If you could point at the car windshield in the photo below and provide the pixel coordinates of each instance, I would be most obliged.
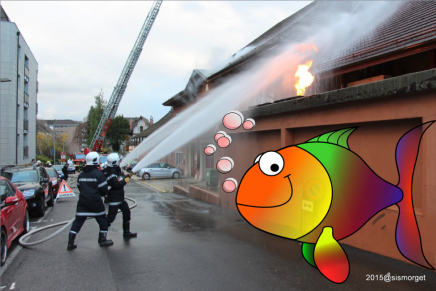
(103, 159)
(52, 173)
(80, 157)
(58, 167)
(23, 176)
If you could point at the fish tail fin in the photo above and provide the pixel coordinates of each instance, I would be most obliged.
(408, 237)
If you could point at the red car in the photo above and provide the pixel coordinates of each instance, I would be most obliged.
(55, 180)
(14, 215)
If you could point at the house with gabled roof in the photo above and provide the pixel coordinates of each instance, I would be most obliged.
(384, 83)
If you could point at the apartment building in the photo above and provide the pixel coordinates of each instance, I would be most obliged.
(19, 89)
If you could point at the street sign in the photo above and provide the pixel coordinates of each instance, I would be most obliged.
(307, 205)
(65, 191)
(52, 152)
(62, 156)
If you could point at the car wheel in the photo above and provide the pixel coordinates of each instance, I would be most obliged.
(176, 175)
(4, 247)
(50, 202)
(40, 210)
(26, 224)
(146, 176)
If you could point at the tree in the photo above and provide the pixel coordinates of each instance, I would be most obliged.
(44, 142)
(94, 116)
(117, 132)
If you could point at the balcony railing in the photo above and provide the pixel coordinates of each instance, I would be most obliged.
(26, 100)
(26, 124)
(26, 71)
(25, 151)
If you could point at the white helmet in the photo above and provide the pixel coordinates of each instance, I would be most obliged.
(93, 159)
(113, 160)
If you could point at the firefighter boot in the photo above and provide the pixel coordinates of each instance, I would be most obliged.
(126, 228)
(103, 241)
(71, 245)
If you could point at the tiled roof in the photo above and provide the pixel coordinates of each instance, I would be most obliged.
(155, 125)
(190, 92)
(295, 28)
(40, 127)
(413, 23)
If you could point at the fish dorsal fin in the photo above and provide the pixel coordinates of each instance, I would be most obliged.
(338, 137)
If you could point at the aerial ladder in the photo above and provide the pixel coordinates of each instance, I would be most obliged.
(120, 88)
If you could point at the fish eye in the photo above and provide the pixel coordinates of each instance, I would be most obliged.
(257, 158)
(271, 163)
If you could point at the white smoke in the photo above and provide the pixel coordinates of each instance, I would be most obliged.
(233, 92)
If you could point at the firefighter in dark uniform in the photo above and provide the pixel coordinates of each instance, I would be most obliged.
(65, 171)
(92, 186)
(116, 181)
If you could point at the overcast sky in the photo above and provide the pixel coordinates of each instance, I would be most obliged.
(82, 46)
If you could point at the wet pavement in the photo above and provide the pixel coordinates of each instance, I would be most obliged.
(185, 244)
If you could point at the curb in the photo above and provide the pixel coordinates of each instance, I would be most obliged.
(163, 191)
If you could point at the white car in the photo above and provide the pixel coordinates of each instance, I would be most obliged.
(160, 170)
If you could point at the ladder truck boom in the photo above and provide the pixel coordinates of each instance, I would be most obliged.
(120, 88)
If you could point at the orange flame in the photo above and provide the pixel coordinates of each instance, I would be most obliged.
(305, 47)
(304, 78)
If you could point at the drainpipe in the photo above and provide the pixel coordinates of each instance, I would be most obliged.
(18, 107)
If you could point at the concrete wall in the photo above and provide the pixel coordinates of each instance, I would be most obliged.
(69, 130)
(10, 112)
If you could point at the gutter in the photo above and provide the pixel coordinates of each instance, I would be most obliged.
(17, 104)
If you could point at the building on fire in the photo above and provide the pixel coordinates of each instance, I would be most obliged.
(383, 82)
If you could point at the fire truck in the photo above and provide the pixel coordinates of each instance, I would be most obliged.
(78, 160)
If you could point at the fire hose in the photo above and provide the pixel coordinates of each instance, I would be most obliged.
(67, 224)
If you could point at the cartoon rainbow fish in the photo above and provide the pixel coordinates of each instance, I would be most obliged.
(274, 197)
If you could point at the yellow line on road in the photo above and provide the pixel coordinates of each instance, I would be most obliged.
(155, 187)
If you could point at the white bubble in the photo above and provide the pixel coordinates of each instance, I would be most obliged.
(225, 165)
(249, 124)
(233, 119)
(230, 185)
(210, 149)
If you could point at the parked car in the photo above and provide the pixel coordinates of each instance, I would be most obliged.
(160, 170)
(58, 169)
(56, 180)
(14, 215)
(35, 185)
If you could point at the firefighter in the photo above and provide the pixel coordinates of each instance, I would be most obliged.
(92, 185)
(65, 171)
(116, 181)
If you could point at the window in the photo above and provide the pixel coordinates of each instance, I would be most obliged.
(56, 127)
(141, 128)
(26, 61)
(155, 166)
(179, 158)
(5, 190)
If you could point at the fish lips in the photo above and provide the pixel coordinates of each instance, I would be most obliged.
(273, 206)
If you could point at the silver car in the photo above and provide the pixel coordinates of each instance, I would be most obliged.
(160, 170)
